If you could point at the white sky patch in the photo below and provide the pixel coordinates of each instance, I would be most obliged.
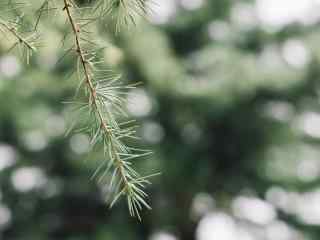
(308, 208)
(152, 132)
(295, 53)
(275, 14)
(139, 103)
(218, 226)
(161, 13)
(80, 143)
(293, 162)
(280, 198)
(254, 210)
(309, 123)
(308, 167)
(279, 110)
(7, 156)
(305, 206)
(162, 235)
(244, 16)
(202, 203)
(9, 66)
(281, 230)
(5, 216)
(35, 140)
(221, 226)
(28, 178)
(55, 125)
(270, 59)
(219, 30)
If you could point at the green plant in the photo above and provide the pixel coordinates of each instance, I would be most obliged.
(99, 99)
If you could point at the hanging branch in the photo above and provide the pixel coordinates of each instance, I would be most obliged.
(104, 101)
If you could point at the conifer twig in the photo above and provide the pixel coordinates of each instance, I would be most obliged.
(101, 94)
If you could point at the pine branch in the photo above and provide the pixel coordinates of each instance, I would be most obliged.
(103, 95)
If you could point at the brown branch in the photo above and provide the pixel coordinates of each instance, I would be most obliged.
(93, 94)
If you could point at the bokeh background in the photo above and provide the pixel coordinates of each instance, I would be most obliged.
(229, 105)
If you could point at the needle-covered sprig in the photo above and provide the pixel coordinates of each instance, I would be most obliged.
(105, 97)
(26, 42)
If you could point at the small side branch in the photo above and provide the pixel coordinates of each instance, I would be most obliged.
(90, 86)
(10, 28)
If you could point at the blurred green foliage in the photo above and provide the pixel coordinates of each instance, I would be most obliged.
(229, 107)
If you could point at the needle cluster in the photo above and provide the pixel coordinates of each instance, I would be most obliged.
(26, 41)
(124, 11)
